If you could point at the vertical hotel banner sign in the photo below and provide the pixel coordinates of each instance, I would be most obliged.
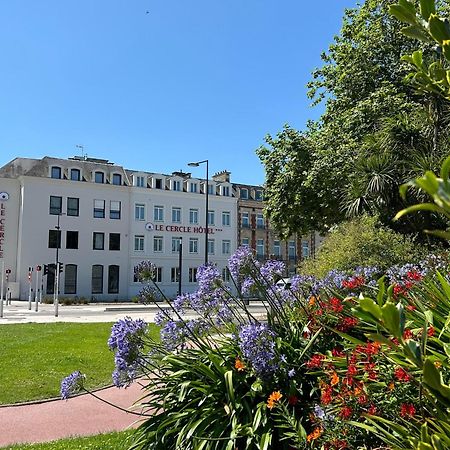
(4, 196)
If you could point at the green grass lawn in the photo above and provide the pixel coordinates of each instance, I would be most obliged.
(110, 441)
(35, 357)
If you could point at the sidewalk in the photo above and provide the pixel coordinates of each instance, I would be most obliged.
(79, 416)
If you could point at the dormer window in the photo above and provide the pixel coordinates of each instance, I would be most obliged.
(139, 181)
(99, 177)
(193, 187)
(56, 172)
(211, 188)
(244, 194)
(258, 194)
(158, 183)
(225, 191)
(117, 179)
(75, 174)
(176, 185)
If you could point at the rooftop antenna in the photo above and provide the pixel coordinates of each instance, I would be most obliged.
(82, 150)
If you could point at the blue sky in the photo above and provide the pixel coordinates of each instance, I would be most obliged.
(188, 80)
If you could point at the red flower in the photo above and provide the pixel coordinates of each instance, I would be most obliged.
(326, 398)
(336, 352)
(353, 282)
(414, 275)
(411, 307)
(352, 370)
(363, 399)
(315, 362)
(346, 412)
(402, 375)
(347, 323)
(372, 410)
(408, 334)
(334, 304)
(407, 410)
(430, 331)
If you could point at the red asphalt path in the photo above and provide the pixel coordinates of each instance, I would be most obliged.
(79, 416)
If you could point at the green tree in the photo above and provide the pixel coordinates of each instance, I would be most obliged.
(342, 165)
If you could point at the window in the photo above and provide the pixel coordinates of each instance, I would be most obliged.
(56, 172)
(55, 205)
(258, 194)
(226, 247)
(291, 249)
(139, 243)
(157, 277)
(114, 209)
(73, 206)
(139, 211)
(193, 216)
(244, 194)
(113, 279)
(259, 221)
(176, 185)
(98, 241)
(226, 274)
(51, 279)
(245, 242)
(192, 274)
(158, 213)
(226, 191)
(245, 220)
(117, 179)
(193, 187)
(114, 241)
(176, 215)
(99, 209)
(211, 246)
(305, 249)
(99, 177)
(97, 279)
(75, 174)
(260, 247)
(174, 274)
(211, 218)
(193, 245)
(158, 244)
(54, 238)
(176, 242)
(226, 218)
(72, 239)
(70, 279)
(276, 248)
(158, 183)
(139, 181)
(211, 189)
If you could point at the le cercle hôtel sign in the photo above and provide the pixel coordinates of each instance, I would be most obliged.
(4, 196)
(149, 226)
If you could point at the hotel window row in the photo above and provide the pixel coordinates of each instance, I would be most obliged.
(75, 175)
(192, 245)
(73, 207)
(71, 279)
(98, 240)
(177, 215)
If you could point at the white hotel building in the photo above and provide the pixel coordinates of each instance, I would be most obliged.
(110, 219)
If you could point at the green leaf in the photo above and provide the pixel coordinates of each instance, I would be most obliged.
(368, 305)
(403, 13)
(391, 319)
(265, 441)
(229, 384)
(381, 291)
(415, 32)
(427, 7)
(439, 29)
(419, 207)
(445, 170)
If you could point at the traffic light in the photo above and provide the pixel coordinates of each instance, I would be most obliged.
(45, 269)
(38, 268)
(60, 267)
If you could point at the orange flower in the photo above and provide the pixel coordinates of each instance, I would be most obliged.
(437, 364)
(314, 435)
(273, 399)
(391, 386)
(239, 365)
(312, 301)
(334, 379)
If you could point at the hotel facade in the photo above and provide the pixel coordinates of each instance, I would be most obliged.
(100, 220)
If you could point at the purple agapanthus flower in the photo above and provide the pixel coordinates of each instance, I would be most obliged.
(272, 269)
(257, 344)
(242, 260)
(208, 278)
(127, 341)
(72, 384)
(144, 271)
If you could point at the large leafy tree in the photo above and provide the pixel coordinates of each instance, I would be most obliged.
(370, 139)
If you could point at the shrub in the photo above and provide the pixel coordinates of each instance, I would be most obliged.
(362, 242)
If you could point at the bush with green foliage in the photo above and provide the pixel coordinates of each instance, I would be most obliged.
(362, 242)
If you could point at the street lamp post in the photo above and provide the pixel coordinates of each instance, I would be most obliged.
(56, 281)
(196, 164)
